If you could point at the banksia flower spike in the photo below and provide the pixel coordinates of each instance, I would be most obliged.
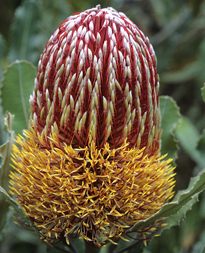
(90, 164)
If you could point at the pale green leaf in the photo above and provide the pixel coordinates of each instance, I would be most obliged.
(175, 219)
(17, 208)
(18, 83)
(2, 54)
(188, 136)
(175, 211)
(5, 151)
(199, 246)
(201, 145)
(3, 133)
(179, 204)
(203, 92)
(25, 37)
(170, 118)
(6, 199)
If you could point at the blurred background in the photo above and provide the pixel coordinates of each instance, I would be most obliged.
(176, 30)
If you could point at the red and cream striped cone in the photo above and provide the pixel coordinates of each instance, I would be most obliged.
(90, 161)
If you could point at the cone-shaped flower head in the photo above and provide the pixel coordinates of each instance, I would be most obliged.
(90, 163)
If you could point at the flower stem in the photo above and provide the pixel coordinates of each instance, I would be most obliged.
(89, 248)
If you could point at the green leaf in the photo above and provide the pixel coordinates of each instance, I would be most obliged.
(25, 37)
(17, 86)
(188, 137)
(170, 118)
(11, 201)
(201, 145)
(199, 246)
(175, 219)
(3, 133)
(2, 54)
(203, 92)
(16, 206)
(5, 151)
(179, 205)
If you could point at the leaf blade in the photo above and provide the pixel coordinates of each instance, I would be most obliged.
(5, 153)
(188, 136)
(15, 98)
(203, 92)
(168, 123)
(196, 185)
(25, 37)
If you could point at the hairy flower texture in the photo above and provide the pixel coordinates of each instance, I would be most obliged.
(90, 163)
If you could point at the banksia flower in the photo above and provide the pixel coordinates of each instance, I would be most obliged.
(90, 163)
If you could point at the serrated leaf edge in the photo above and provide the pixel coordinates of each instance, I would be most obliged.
(160, 214)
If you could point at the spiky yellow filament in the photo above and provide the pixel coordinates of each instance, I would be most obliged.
(97, 193)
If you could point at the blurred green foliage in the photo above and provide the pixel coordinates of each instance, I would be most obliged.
(177, 31)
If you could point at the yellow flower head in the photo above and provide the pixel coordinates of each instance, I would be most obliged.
(90, 163)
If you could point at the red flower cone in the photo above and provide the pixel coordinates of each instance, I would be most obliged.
(90, 162)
